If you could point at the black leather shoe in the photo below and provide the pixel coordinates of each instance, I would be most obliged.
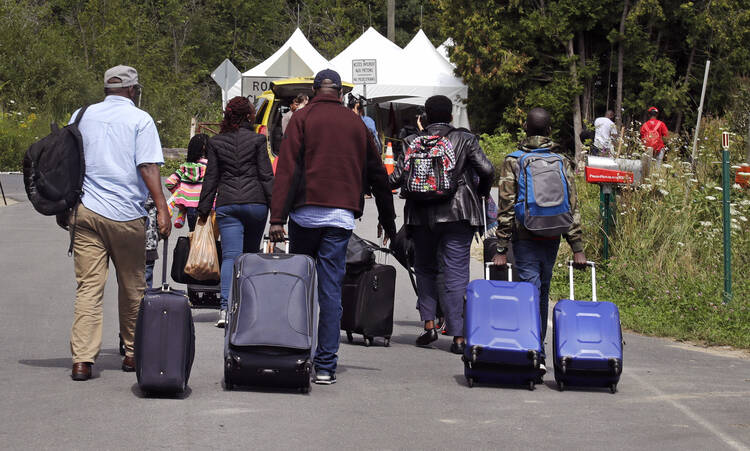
(427, 337)
(458, 348)
(81, 371)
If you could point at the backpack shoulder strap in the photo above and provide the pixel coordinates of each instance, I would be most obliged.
(517, 154)
(80, 115)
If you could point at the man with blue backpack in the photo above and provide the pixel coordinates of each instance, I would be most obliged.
(537, 205)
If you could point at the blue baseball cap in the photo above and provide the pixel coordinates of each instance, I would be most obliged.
(329, 74)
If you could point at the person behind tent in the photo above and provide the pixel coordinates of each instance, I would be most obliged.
(186, 182)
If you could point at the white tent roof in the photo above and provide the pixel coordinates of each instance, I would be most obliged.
(409, 75)
(296, 58)
(443, 48)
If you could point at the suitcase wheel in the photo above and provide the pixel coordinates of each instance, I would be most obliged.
(470, 381)
(613, 388)
(560, 385)
(532, 385)
(349, 337)
(228, 385)
(305, 390)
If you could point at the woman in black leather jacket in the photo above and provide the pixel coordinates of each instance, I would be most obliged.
(442, 231)
(239, 169)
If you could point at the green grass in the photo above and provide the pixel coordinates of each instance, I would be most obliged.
(666, 270)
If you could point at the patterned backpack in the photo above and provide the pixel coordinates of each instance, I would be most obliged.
(429, 163)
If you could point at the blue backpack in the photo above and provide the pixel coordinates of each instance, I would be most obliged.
(542, 201)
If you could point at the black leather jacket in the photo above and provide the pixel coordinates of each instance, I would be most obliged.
(238, 168)
(466, 203)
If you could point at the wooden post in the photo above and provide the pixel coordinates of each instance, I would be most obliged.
(193, 124)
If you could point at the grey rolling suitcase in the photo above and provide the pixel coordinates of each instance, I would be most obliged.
(164, 339)
(271, 330)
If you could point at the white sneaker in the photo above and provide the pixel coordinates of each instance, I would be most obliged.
(325, 378)
(543, 369)
(222, 321)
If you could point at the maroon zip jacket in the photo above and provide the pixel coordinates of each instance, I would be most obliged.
(340, 158)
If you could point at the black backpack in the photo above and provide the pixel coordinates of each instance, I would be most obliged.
(53, 169)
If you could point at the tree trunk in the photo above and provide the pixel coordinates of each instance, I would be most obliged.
(392, 20)
(678, 123)
(620, 64)
(576, 104)
(586, 104)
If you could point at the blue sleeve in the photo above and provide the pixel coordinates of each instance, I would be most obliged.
(147, 143)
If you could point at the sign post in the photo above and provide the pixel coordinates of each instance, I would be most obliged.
(365, 72)
(727, 218)
(226, 75)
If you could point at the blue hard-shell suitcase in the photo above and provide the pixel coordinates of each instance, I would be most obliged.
(503, 333)
(588, 342)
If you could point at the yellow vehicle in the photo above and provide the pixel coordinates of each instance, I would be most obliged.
(270, 105)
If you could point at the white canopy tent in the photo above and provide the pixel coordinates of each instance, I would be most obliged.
(443, 48)
(296, 58)
(404, 76)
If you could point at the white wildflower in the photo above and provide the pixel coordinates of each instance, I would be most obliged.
(681, 244)
(706, 223)
(736, 226)
(663, 192)
(12, 101)
(743, 218)
(745, 202)
(710, 198)
(718, 188)
(159, 121)
(694, 180)
(667, 165)
(646, 186)
(737, 186)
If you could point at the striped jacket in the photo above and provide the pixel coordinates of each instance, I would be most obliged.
(186, 183)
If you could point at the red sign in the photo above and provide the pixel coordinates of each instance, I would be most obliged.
(598, 175)
(725, 140)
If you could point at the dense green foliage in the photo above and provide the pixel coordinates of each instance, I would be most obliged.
(517, 54)
(54, 53)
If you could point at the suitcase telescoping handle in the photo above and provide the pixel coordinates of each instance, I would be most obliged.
(164, 284)
(593, 279)
(487, 266)
(267, 239)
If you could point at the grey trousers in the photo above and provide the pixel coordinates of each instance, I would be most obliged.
(444, 249)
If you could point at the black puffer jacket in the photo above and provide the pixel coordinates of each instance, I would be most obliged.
(465, 204)
(238, 168)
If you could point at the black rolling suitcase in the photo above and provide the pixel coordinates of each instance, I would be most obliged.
(271, 330)
(164, 339)
(367, 298)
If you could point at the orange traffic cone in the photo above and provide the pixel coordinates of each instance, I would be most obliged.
(388, 161)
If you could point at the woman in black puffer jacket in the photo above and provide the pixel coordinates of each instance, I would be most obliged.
(240, 170)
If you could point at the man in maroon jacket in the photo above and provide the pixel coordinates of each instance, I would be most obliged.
(326, 160)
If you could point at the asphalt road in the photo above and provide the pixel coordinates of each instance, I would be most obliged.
(671, 396)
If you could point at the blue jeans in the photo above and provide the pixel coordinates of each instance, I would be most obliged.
(327, 245)
(442, 250)
(241, 229)
(535, 260)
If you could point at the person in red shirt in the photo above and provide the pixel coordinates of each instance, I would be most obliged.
(653, 133)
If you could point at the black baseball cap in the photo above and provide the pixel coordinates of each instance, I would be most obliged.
(329, 74)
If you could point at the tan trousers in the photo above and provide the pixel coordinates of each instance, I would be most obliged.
(97, 240)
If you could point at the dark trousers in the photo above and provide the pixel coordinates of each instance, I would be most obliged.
(327, 245)
(442, 248)
(535, 260)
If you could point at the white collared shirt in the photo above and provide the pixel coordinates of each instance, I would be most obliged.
(117, 137)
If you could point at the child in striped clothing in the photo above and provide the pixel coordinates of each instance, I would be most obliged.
(185, 183)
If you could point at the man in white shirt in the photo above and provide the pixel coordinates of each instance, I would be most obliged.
(605, 131)
(123, 153)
